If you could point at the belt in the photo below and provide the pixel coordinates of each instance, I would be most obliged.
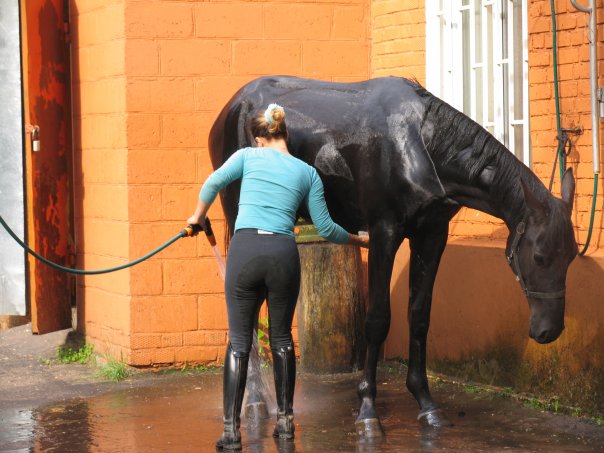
(254, 231)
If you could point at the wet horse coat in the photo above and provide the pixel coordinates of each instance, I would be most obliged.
(398, 162)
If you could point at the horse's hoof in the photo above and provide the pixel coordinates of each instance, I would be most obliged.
(256, 411)
(433, 418)
(369, 428)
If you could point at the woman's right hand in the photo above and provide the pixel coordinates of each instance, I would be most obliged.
(360, 240)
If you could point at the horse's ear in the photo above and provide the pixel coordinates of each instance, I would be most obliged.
(568, 189)
(537, 210)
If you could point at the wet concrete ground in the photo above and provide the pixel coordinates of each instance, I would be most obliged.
(179, 413)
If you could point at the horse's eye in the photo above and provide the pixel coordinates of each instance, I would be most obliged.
(539, 259)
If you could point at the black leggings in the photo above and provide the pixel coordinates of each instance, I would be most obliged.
(261, 266)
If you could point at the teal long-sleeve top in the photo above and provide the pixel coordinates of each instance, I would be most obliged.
(273, 185)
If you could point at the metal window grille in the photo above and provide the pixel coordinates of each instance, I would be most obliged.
(477, 60)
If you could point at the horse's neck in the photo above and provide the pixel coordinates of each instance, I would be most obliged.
(498, 190)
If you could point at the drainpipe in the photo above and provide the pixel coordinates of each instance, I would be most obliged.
(593, 77)
(597, 105)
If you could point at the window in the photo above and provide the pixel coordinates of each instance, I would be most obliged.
(477, 60)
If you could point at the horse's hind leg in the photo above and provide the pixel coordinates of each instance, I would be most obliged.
(385, 240)
(426, 251)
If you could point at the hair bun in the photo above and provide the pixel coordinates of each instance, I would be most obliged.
(274, 112)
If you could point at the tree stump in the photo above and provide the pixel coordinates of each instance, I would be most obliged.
(331, 308)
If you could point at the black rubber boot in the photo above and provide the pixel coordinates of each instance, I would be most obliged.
(284, 369)
(235, 373)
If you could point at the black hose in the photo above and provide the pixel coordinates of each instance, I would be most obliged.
(184, 233)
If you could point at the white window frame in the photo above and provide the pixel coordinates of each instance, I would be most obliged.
(445, 70)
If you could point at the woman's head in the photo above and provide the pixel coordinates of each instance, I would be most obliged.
(270, 123)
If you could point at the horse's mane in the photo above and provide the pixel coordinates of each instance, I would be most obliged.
(459, 141)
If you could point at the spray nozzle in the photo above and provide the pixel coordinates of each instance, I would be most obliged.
(191, 229)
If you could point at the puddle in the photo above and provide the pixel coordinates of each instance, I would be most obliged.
(184, 414)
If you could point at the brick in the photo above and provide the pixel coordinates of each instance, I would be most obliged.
(388, 6)
(166, 94)
(186, 130)
(102, 166)
(212, 311)
(335, 58)
(196, 354)
(163, 355)
(114, 283)
(161, 167)
(107, 201)
(194, 338)
(144, 203)
(250, 57)
(171, 339)
(307, 21)
(164, 314)
(539, 59)
(178, 201)
(213, 92)
(142, 57)
(106, 59)
(192, 277)
(350, 23)
(99, 26)
(228, 20)
(568, 55)
(205, 338)
(146, 236)
(145, 341)
(194, 57)
(105, 237)
(141, 358)
(144, 130)
(146, 277)
(105, 96)
(158, 20)
(112, 311)
(103, 131)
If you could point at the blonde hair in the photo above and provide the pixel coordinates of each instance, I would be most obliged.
(270, 123)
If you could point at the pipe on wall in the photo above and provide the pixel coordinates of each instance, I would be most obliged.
(593, 79)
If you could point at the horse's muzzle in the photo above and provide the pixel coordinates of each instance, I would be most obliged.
(545, 336)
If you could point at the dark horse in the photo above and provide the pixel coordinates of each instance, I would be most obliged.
(399, 163)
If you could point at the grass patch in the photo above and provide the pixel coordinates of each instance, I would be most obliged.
(114, 370)
(82, 355)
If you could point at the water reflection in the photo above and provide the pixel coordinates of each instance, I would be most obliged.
(185, 415)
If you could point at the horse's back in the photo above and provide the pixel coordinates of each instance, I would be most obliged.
(363, 137)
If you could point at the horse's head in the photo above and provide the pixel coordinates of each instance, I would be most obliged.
(540, 252)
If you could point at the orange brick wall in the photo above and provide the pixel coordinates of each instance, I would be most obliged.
(152, 76)
(100, 171)
(573, 76)
(398, 39)
(398, 49)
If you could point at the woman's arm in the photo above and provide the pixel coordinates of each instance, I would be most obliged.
(326, 227)
(230, 171)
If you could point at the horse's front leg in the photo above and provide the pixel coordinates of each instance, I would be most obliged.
(426, 251)
(385, 240)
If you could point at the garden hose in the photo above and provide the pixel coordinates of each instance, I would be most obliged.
(561, 137)
(188, 231)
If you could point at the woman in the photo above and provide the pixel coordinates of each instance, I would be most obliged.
(263, 260)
